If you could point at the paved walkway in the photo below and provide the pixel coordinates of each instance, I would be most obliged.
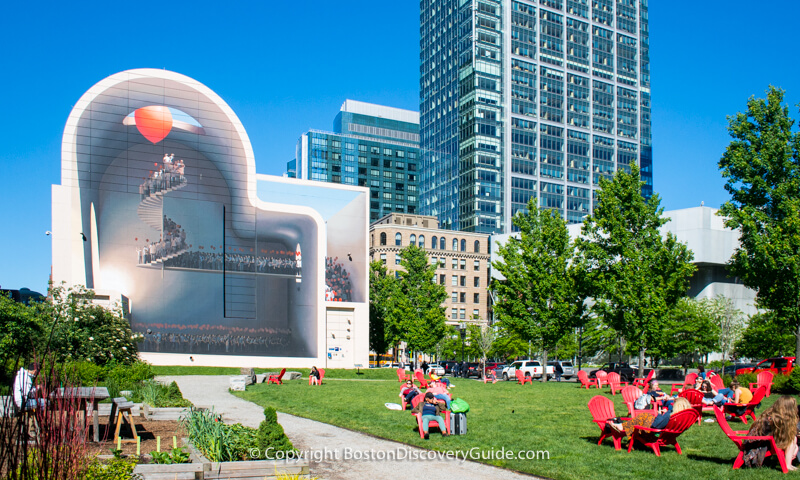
(384, 459)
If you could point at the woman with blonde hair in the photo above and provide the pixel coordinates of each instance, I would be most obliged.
(780, 422)
(648, 420)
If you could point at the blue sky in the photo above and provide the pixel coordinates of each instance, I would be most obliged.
(287, 67)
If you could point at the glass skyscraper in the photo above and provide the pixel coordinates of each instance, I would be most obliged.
(371, 146)
(523, 99)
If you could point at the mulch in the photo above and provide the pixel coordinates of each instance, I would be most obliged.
(148, 431)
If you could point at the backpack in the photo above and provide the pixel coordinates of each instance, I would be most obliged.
(643, 402)
(459, 406)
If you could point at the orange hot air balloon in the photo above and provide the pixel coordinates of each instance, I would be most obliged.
(153, 122)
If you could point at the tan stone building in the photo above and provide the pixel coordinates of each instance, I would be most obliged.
(462, 259)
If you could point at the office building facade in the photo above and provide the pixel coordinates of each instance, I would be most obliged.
(371, 146)
(522, 99)
(461, 259)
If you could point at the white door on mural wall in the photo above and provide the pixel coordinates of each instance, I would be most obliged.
(339, 350)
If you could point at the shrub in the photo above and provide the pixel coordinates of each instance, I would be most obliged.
(115, 469)
(156, 394)
(793, 383)
(780, 384)
(746, 379)
(271, 435)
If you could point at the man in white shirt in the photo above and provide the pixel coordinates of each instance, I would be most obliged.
(24, 389)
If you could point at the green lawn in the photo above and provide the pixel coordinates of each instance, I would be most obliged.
(552, 417)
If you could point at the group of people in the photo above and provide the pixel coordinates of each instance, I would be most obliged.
(283, 264)
(173, 240)
(435, 401)
(170, 174)
(337, 281)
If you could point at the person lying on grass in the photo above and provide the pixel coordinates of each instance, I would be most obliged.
(431, 409)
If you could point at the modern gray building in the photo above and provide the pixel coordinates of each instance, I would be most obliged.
(523, 99)
(371, 146)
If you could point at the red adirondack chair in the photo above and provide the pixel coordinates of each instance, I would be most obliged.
(629, 396)
(695, 397)
(433, 423)
(601, 377)
(615, 383)
(583, 377)
(402, 376)
(731, 408)
(276, 379)
(655, 438)
(521, 378)
(764, 379)
(737, 436)
(420, 378)
(321, 376)
(644, 382)
(688, 382)
(602, 408)
(716, 382)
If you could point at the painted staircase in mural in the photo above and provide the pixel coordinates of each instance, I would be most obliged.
(150, 211)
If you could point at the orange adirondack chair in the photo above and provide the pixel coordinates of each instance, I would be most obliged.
(402, 376)
(276, 379)
(420, 378)
(655, 438)
(764, 379)
(432, 423)
(738, 436)
(521, 379)
(644, 382)
(601, 377)
(731, 408)
(583, 377)
(602, 409)
(688, 382)
(629, 396)
(615, 383)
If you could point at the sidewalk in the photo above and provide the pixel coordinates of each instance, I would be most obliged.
(324, 439)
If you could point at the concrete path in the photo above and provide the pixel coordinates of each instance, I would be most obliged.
(336, 453)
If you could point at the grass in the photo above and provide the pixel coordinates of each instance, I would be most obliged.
(550, 417)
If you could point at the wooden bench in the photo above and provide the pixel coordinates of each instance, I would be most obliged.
(121, 411)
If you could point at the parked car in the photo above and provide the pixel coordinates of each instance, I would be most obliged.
(436, 369)
(733, 369)
(473, 370)
(776, 365)
(497, 368)
(529, 368)
(626, 372)
(567, 369)
(448, 366)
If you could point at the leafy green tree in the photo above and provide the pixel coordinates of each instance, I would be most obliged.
(637, 275)
(382, 287)
(449, 345)
(20, 331)
(690, 328)
(78, 329)
(729, 322)
(764, 337)
(507, 344)
(762, 171)
(418, 312)
(538, 299)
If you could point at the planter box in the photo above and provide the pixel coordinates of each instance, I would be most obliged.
(163, 413)
(258, 469)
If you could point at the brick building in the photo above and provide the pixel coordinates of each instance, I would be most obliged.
(462, 259)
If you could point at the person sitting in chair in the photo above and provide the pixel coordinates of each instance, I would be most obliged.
(25, 391)
(314, 376)
(408, 391)
(659, 395)
(431, 410)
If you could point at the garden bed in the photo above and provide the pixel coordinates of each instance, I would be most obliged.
(148, 432)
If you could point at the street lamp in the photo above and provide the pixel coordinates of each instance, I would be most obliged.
(463, 327)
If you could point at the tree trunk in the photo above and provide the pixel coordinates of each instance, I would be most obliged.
(544, 365)
(641, 362)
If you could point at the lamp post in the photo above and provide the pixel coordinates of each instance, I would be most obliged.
(463, 327)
